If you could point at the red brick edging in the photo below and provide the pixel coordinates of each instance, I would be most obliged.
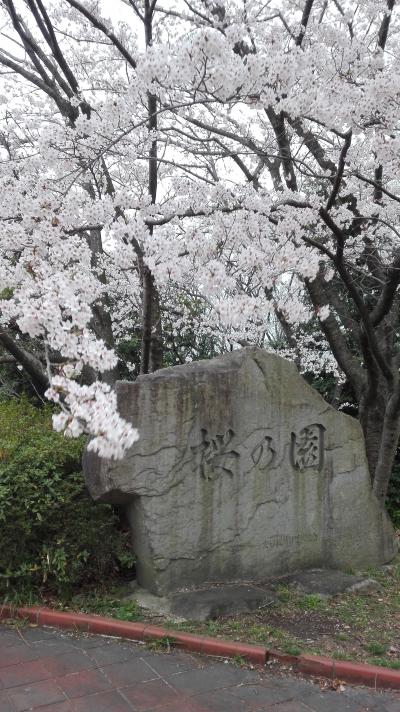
(371, 675)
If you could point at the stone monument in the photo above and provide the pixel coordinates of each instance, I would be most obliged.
(242, 472)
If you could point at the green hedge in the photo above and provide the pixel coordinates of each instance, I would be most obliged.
(53, 537)
(393, 498)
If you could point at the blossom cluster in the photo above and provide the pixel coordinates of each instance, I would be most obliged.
(258, 118)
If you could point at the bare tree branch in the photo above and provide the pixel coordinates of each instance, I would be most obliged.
(304, 21)
(278, 124)
(378, 186)
(384, 28)
(29, 363)
(387, 294)
(340, 171)
(330, 327)
(99, 25)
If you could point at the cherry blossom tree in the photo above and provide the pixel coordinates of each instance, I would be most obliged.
(241, 154)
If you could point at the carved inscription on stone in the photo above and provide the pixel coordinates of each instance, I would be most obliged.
(263, 453)
(217, 456)
(289, 541)
(307, 448)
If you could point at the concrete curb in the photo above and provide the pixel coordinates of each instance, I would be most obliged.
(359, 673)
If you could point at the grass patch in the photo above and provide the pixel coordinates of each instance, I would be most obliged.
(338, 655)
(161, 644)
(385, 662)
(342, 636)
(291, 649)
(107, 604)
(376, 648)
(239, 661)
(311, 602)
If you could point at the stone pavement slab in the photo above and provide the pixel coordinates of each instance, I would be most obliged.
(52, 671)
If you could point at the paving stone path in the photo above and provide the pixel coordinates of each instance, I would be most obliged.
(50, 671)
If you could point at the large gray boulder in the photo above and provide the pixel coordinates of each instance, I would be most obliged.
(242, 472)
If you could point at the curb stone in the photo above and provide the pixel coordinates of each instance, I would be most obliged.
(319, 666)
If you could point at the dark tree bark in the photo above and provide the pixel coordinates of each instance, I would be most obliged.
(29, 363)
(152, 337)
(387, 447)
(101, 319)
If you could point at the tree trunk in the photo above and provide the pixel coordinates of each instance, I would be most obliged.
(388, 445)
(380, 420)
(147, 302)
(152, 336)
(101, 320)
(371, 415)
(29, 363)
(157, 343)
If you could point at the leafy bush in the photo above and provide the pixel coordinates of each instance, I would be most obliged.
(393, 496)
(53, 537)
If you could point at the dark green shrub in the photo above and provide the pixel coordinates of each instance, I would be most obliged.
(53, 537)
(393, 496)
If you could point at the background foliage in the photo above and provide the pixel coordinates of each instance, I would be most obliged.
(393, 498)
(54, 538)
